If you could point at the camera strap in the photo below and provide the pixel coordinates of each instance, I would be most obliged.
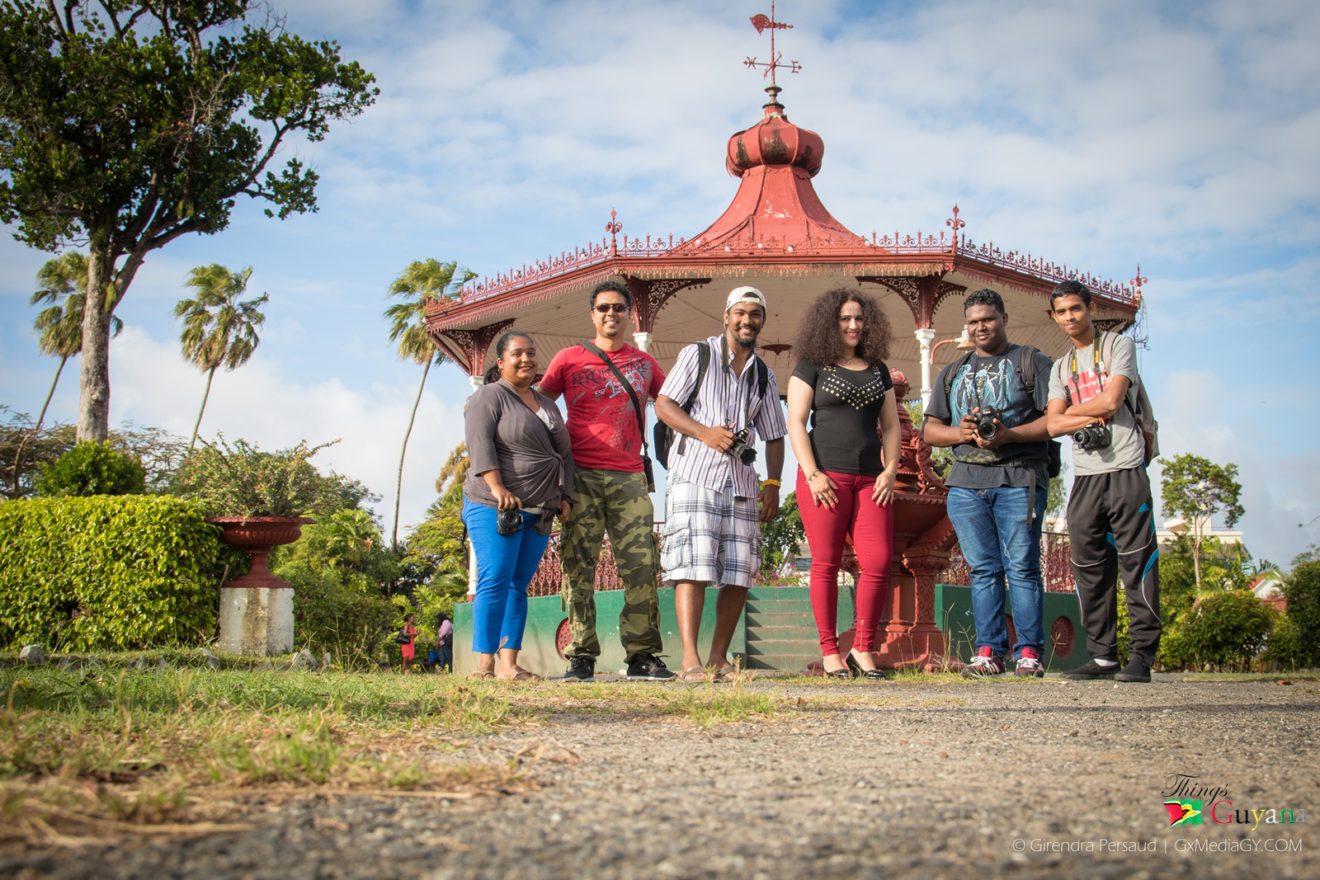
(726, 361)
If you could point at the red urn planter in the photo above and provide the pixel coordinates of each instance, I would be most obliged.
(258, 535)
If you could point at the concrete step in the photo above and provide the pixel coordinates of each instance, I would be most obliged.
(784, 648)
(763, 619)
(782, 662)
(785, 631)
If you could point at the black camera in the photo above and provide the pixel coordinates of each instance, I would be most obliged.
(740, 448)
(986, 428)
(508, 522)
(1093, 437)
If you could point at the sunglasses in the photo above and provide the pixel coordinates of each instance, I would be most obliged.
(616, 308)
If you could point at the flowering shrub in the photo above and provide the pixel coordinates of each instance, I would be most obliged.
(238, 479)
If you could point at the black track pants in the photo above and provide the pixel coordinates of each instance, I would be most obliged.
(1111, 527)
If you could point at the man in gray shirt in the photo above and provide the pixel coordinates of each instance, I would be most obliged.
(1111, 517)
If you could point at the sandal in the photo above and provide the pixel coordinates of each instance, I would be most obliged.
(481, 674)
(726, 673)
(693, 674)
(521, 675)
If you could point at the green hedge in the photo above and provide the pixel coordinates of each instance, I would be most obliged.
(107, 572)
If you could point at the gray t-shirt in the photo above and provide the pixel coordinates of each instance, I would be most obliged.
(1079, 376)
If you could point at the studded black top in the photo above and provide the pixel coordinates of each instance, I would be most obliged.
(845, 416)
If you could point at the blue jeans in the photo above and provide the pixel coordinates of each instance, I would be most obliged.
(1000, 545)
(505, 566)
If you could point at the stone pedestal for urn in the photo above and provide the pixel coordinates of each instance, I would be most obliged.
(256, 610)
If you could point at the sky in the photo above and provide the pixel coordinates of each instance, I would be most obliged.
(1179, 136)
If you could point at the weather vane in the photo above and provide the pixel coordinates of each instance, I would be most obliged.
(763, 22)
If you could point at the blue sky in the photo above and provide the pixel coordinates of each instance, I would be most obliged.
(1181, 136)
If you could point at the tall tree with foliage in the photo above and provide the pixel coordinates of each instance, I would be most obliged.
(127, 124)
(63, 283)
(219, 328)
(422, 280)
(1196, 489)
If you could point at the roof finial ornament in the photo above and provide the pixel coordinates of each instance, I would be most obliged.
(763, 22)
(1138, 282)
(614, 227)
(953, 223)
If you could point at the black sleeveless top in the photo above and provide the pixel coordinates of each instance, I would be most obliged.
(845, 416)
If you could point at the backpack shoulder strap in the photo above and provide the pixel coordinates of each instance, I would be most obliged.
(952, 371)
(703, 364)
(1024, 360)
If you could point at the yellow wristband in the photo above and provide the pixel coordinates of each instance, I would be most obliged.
(774, 483)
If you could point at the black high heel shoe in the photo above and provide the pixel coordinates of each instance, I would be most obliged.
(855, 669)
(845, 673)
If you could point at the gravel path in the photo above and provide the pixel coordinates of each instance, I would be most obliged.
(912, 778)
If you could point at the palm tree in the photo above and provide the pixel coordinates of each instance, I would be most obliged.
(63, 288)
(218, 329)
(420, 281)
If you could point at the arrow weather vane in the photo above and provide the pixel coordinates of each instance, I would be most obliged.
(763, 22)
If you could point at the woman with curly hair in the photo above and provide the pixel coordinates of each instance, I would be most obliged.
(845, 481)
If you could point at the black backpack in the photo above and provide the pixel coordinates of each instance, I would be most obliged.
(1023, 358)
(663, 435)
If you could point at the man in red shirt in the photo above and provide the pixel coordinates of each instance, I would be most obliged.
(605, 425)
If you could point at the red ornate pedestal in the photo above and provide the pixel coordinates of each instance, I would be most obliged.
(923, 538)
(258, 535)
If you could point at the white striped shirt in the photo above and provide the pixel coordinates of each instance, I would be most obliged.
(722, 400)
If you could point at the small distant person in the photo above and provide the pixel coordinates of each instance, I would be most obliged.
(1093, 393)
(982, 407)
(711, 533)
(520, 477)
(408, 647)
(444, 643)
(605, 384)
(846, 474)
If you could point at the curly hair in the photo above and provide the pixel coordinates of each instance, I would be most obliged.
(818, 339)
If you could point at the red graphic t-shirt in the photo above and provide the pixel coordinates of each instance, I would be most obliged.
(602, 424)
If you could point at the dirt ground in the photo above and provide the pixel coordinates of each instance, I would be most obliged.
(910, 778)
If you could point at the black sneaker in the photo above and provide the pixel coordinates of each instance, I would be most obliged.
(648, 667)
(581, 669)
(1092, 671)
(1136, 670)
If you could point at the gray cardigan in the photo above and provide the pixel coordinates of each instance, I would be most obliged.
(535, 464)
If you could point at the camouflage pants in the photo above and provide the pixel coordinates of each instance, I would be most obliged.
(616, 502)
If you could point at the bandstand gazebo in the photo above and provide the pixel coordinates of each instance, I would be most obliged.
(778, 236)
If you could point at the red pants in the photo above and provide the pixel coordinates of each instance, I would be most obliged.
(871, 527)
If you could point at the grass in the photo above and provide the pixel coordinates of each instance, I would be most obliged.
(87, 750)
(107, 748)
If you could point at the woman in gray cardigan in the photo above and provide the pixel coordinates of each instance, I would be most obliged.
(520, 478)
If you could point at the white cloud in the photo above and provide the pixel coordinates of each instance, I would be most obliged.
(1095, 134)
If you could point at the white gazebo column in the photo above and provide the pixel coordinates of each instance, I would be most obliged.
(643, 340)
(477, 382)
(925, 336)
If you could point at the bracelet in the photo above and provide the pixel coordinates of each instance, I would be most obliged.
(814, 475)
(770, 482)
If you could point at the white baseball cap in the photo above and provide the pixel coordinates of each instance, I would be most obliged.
(747, 295)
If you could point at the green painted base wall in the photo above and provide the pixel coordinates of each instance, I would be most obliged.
(953, 616)
(545, 614)
(778, 630)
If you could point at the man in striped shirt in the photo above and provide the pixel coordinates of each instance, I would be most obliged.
(711, 533)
